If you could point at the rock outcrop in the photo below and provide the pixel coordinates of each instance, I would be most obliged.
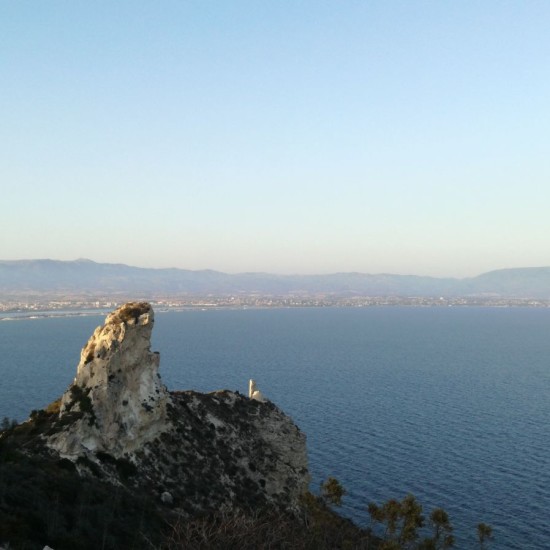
(196, 452)
(118, 386)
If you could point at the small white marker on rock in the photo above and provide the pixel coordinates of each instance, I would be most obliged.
(254, 393)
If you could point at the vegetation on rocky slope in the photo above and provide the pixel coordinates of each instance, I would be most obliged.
(44, 500)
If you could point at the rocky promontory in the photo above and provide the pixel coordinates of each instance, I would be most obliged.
(186, 453)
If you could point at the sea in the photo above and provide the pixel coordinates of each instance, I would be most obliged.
(450, 404)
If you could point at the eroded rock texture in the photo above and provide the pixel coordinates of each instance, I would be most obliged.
(117, 386)
(197, 452)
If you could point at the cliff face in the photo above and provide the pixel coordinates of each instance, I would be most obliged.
(117, 386)
(196, 452)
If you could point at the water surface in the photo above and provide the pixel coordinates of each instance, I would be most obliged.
(450, 404)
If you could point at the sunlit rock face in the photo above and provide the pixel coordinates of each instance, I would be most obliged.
(197, 452)
(117, 387)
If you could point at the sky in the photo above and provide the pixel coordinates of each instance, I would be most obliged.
(408, 137)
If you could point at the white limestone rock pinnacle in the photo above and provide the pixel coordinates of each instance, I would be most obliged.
(117, 387)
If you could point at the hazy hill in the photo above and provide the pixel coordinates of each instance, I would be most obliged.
(88, 277)
(521, 282)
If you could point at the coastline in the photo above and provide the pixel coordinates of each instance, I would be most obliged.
(16, 314)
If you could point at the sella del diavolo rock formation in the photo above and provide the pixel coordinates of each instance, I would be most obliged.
(193, 453)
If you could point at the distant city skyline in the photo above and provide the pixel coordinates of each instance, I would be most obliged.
(289, 138)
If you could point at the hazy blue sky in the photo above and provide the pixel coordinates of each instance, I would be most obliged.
(283, 136)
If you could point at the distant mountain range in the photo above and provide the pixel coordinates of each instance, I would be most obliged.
(85, 277)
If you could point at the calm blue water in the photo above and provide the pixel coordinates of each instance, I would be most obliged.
(451, 404)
